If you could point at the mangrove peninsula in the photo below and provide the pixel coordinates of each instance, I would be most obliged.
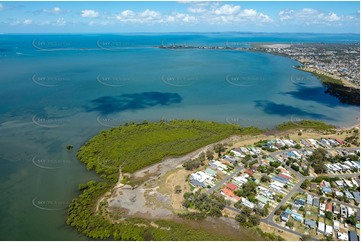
(201, 180)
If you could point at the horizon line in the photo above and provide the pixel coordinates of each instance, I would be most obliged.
(182, 32)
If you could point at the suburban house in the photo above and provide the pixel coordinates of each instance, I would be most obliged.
(356, 196)
(201, 179)
(321, 227)
(343, 211)
(336, 225)
(352, 236)
(309, 199)
(316, 202)
(336, 209)
(285, 216)
(232, 187)
(297, 217)
(299, 202)
(329, 206)
(247, 203)
(239, 180)
(328, 230)
(342, 236)
(310, 223)
(211, 172)
(339, 183)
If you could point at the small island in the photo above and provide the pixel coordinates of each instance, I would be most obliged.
(149, 187)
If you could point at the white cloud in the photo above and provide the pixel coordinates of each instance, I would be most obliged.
(127, 13)
(147, 16)
(1, 7)
(180, 18)
(27, 21)
(332, 17)
(309, 16)
(55, 10)
(60, 22)
(196, 9)
(227, 10)
(88, 13)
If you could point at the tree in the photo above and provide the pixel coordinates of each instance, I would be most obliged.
(246, 211)
(278, 211)
(241, 218)
(265, 178)
(219, 148)
(351, 220)
(209, 155)
(329, 215)
(289, 224)
(305, 184)
(202, 157)
(254, 220)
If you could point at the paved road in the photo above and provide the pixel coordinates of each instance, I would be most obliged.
(269, 218)
(269, 223)
(227, 178)
(332, 200)
(296, 188)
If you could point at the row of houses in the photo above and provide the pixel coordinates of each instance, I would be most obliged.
(342, 167)
(329, 206)
(279, 143)
(350, 236)
(243, 151)
(326, 143)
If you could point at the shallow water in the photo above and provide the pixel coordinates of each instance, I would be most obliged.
(81, 84)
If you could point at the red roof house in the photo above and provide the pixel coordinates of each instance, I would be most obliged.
(232, 187)
(329, 206)
(227, 192)
(284, 176)
(249, 172)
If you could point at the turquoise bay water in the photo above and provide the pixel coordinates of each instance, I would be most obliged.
(60, 90)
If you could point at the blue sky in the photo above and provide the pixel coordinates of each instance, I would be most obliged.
(102, 17)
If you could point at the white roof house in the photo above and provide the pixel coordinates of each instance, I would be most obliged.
(350, 211)
(247, 203)
(321, 227)
(322, 206)
(342, 236)
(336, 225)
(328, 230)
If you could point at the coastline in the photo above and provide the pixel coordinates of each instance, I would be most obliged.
(336, 79)
(149, 199)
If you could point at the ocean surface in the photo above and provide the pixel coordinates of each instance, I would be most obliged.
(59, 90)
